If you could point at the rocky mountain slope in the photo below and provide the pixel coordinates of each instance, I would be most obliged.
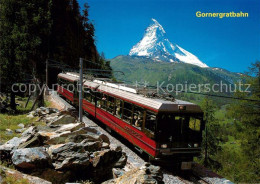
(157, 46)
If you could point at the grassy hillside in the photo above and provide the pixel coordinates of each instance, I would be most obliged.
(12, 120)
(142, 69)
(145, 69)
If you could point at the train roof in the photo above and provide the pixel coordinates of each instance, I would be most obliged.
(131, 95)
(69, 77)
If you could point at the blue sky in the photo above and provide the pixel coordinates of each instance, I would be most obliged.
(230, 43)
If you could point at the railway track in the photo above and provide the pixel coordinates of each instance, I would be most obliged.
(195, 179)
(134, 159)
(184, 177)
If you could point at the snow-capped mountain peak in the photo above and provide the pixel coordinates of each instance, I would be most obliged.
(156, 25)
(156, 45)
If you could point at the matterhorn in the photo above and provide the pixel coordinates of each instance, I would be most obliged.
(156, 45)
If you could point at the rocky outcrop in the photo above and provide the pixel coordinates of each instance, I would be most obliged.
(143, 175)
(63, 150)
(63, 119)
(12, 144)
(29, 131)
(27, 139)
(29, 158)
(42, 112)
(69, 156)
(35, 141)
(9, 146)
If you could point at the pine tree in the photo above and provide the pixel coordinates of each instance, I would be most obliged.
(9, 67)
(36, 30)
(24, 30)
(246, 114)
(211, 140)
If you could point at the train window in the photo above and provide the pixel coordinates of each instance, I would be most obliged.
(63, 83)
(169, 126)
(87, 95)
(194, 124)
(98, 98)
(104, 101)
(68, 84)
(119, 107)
(101, 100)
(128, 112)
(70, 87)
(92, 94)
(110, 104)
(150, 122)
(179, 128)
(138, 117)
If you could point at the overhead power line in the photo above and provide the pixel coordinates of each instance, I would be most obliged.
(220, 96)
(204, 94)
(96, 72)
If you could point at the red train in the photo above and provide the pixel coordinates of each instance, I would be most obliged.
(166, 130)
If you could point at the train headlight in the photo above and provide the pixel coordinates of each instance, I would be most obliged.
(164, 146)
(196, 145)
(182, 107)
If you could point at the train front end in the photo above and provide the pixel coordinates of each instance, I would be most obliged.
(179, 134)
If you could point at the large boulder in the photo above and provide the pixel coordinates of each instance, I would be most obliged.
(16, 142)
(77, 136)
(70, 127)
(63, 119)
(29, 158)
(12, 144)
(58, 135)
(29, 138)
(57, 138)
(69, 111)
(106, 158)
(103, 162)
(69, 156)
(91, 146)
(36, 141)
(42, 128)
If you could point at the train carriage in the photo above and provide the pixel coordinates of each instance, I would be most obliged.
(166, 130)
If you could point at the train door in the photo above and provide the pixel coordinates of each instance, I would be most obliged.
(150, 124)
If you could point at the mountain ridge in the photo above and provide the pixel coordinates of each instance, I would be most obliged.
(138, 68)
